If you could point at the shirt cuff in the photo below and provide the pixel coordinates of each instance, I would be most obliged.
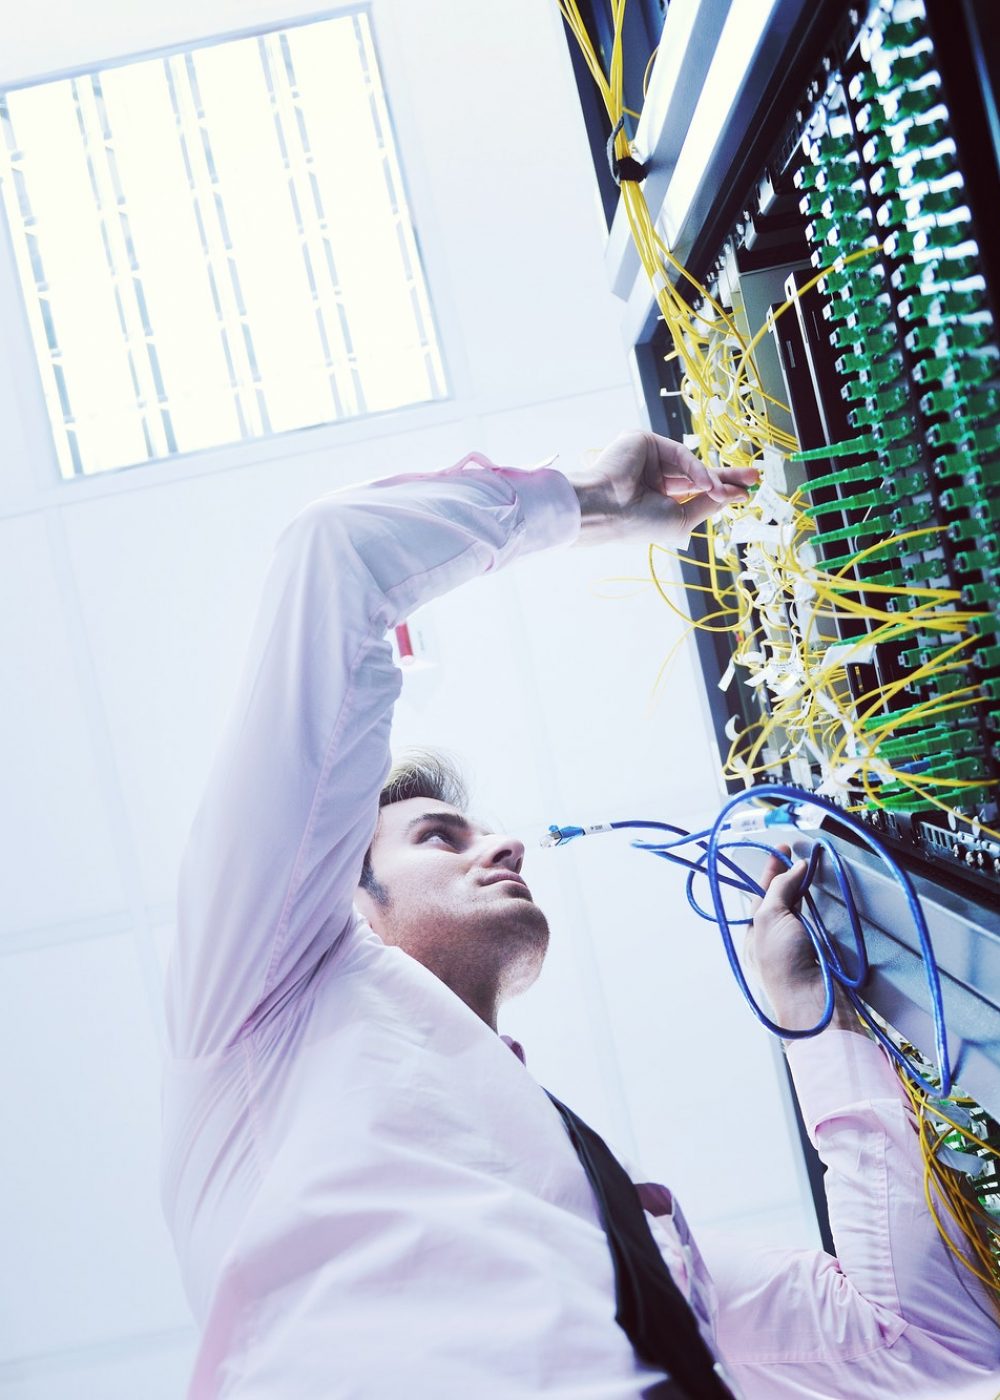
(549, 505)
(838, 1071)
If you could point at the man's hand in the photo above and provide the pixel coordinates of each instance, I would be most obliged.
(781, 952)
(651, 487)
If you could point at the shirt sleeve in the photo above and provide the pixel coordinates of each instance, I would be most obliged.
(273, 860)
(894, 1286)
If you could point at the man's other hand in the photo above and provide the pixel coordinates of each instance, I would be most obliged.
(780, 952)
(651, 487)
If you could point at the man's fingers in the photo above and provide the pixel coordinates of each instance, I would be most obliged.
(773, 867)
(680, 473)
(782, 891)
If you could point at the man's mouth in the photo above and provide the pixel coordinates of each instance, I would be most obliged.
(507, 877)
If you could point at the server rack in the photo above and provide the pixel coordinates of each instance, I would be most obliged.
(777, 136)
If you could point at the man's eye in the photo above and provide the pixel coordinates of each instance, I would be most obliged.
(438, 831)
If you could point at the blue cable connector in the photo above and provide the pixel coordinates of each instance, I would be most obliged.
(795, 809)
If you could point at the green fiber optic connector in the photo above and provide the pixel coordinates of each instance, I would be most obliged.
(836, 280)
(865, 415)
(901, 33)
(885, 181)
(983, 403)
(893, 397)
(806, 177)
(905, 242)
(886, 371)
(924, 169)
(899, 720)
(871, 313)
(970, 334)
(955, 302)
(850, 448)
(865, 500)
(852, 362)
(812, 202)
(919, 305)
(911, 515)
(924, 741)
(906, 804)
(872, 470)
(968, 528)
(932, 370)
(913, 102)
(919, 135)
(877, 148)
(973, 369)
(912, 274)
(840, 308)
(956, 497)
(847, 337)
(988, 657)
(941, 237)
(894, 429)
(908, 68)
(954, 430)
(889, 578)
(820, 228)
(856, 389)
(940, 301)
(991, 687)
(940, 201)
(847, 200)
(923, 656)
(920, 571)
(987, 512)
(985, 440)
(864, 85)
(972, 561)
(944, 683)
(893, 211)
(924, 337)
(970, 767)
(862, 530)
(942, 401)
(851, 230)
(957, 267)
(835, 148)
(880, 342)
(957, 464)
(976, 594)
(868, 116)
(986, 625)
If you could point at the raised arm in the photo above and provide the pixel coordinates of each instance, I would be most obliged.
(273, 859)
(275, 852)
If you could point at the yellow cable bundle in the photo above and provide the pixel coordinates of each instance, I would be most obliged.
(728, 407)
(949, 1190)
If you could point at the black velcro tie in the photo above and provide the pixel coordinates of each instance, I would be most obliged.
(627, 168)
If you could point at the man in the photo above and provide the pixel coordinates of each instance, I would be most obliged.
(369, 1194)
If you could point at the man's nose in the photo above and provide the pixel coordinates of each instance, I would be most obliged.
(506, 851)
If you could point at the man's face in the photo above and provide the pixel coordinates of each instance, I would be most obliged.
(456, 899)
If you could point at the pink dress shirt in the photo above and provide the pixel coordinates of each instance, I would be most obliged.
(369, 1195)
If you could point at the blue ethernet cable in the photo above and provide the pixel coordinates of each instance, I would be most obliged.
(832, 971)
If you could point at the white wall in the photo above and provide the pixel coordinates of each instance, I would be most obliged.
(126, 603)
